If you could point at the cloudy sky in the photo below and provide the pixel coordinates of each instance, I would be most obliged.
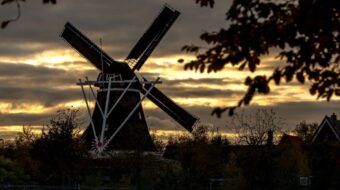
(38, 70)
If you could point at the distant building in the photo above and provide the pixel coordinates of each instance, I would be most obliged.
(328, 131)
(290, 140)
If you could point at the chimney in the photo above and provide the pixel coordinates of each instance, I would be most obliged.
(270, 137)
(333, 117)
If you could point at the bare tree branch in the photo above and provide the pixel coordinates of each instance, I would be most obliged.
(252, 128)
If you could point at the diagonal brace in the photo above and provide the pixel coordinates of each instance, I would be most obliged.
(131, 113)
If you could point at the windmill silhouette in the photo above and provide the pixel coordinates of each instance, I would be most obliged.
(118, 121)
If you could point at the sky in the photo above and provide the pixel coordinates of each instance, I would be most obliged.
(39, 70)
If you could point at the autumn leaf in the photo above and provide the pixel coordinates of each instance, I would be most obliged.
(218, 111)
(4, 24)
(337, 92)
(205, 3)
(7, 2)
(180, 60)
(50, 1)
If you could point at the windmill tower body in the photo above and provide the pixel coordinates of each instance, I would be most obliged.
(135, 134)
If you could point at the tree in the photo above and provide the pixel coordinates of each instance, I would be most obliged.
(26, 137)
(252, 128)
(202, 156)
(306, 131)
(11, 172)
(5, 23)
(22, 151)
(59, 148)
(304, 34)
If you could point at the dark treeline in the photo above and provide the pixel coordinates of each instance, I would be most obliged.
(202, 160)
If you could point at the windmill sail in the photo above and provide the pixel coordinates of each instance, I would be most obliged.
(148, 42)
(180, 115)
(135, 134)
(85, 47)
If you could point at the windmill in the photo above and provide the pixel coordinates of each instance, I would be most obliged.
(118, 121)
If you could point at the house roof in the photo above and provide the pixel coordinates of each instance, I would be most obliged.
(333, 123)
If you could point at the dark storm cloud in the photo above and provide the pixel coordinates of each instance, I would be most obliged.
(25, 119)
(200, 81)
(292, 112)
(193, 89)
(157, 123)
(309, 111)
(39, 84)
(295, 112)
(202, 112)
(41, 119)
(20, 49)
(120, 23)
(46, 97)
(199, 88)
(198, 92)
(40, 75)
(22, 83)
(19, 70)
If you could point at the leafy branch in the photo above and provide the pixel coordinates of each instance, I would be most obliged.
(305, 33)
(5, 23)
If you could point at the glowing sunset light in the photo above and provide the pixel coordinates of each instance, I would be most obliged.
(15, 108)
(18, 128)
(54, 58)
(203, 102)
(164, 135)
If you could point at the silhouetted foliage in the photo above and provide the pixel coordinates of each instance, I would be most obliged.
(11, 172)
(23, 149)
(306, 131)
(159, 143)
(201, 155)
(304, 34)
(57, 157)
(5, 23)
(59, 149)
